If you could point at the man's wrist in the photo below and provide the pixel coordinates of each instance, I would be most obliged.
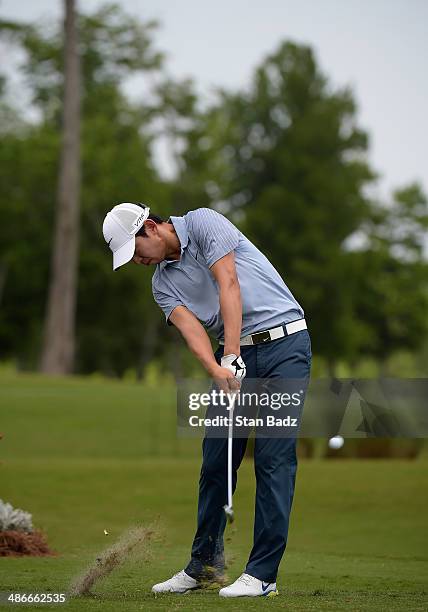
(212, 368)
(232, 350)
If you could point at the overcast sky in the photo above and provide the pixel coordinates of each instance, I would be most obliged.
(379, 47)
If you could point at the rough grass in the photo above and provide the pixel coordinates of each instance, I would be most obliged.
(77, 455)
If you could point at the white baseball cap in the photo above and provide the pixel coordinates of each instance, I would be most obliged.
(119, 229)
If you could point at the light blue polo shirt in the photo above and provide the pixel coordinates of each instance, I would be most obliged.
(205, 237)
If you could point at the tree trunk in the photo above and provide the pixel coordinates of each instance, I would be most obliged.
(59, 333)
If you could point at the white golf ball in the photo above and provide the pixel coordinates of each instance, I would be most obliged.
(336, 442)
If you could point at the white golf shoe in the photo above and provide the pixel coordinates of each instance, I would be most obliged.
(180, 583)
(248, 586)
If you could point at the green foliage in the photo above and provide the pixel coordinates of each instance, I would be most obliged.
(394, 276)
(28, 168)
(285, 159)
(112, 45)
(113, 309)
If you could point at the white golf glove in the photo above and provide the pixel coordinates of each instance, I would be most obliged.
(235, 364)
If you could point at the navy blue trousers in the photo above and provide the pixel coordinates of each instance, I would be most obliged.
(275, 465)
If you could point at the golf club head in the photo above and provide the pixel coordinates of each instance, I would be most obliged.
(228, 510)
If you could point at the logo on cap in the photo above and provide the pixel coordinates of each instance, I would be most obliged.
(138, 221)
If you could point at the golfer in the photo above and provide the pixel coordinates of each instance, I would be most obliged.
(210, 278)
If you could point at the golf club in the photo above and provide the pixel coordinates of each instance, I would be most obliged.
(228, 508)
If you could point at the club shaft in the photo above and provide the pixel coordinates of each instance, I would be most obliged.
(230, 451)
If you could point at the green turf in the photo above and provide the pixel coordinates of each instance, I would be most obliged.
(85, 456)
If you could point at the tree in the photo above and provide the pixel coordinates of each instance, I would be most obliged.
(393, 273)
(286, 160)
(116, 166)
(59, 339)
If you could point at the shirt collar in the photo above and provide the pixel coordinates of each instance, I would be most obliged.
(179, 224)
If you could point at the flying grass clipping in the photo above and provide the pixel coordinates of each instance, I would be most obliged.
(133, 544)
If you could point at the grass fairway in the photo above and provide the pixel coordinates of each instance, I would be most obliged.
(84, 456)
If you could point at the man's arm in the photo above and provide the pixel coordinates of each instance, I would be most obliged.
(224, 271)
(198, 342)
(217, 238)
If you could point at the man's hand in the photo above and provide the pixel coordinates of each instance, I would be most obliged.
(225, 379)
(235, 364)
(229, 374)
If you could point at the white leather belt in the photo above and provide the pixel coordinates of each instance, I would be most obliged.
(272, 334)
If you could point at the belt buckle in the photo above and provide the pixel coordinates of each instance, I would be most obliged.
(261, 337)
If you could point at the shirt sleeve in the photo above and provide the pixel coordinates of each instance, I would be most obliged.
(166, 302)
(215, 235)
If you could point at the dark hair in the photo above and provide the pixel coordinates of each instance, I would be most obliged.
(155, 218)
